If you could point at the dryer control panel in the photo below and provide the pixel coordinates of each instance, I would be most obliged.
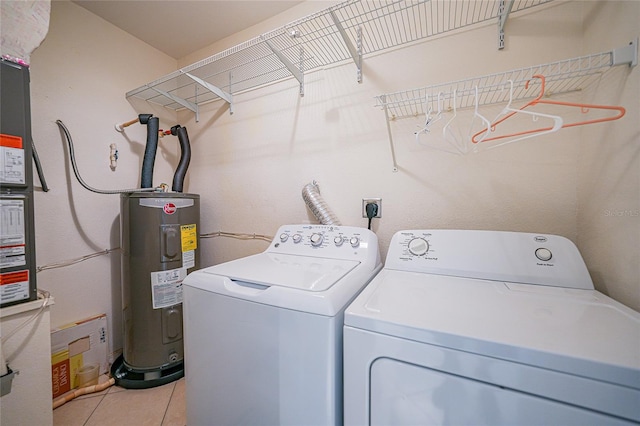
(495, 255)
(333, 241)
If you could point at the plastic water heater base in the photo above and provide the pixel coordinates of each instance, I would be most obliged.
(130, 379)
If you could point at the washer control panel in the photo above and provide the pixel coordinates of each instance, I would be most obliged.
(503, 256)
(324, 240)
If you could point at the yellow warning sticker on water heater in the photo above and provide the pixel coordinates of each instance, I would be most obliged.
(189, 237)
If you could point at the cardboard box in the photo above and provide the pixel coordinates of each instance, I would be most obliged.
(75, 345)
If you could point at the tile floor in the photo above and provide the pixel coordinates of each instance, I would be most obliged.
(160, 406)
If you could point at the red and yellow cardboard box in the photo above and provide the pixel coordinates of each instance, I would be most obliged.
(74, 345)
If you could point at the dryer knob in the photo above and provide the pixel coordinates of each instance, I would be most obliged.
(338, 241)
(354, 241)
(316, 239)
(418, 246)
(297, 238)
(283, 237)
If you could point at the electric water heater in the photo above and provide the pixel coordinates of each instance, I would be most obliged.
(159, 248)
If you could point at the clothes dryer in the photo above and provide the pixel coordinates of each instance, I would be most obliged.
(488, 328)
(263, 334)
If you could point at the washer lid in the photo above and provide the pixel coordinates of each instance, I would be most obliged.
(285, 270)
(582, 332)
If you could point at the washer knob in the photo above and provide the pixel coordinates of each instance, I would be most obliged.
(297, 238)
(354, 241)
(283, 237)
(544, 254)
(338, 241)
(418, 246)
(316, 239)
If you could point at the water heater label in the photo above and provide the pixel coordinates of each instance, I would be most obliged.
(189, 259)
(166, 287)
(189, 237)
(160, 203)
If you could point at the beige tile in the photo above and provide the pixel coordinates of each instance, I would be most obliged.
(76, 412)
(116, 388)
(137, 407)
(177, 411)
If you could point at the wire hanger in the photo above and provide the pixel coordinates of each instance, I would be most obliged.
(538, 100)
(508, 112)
(429, 119)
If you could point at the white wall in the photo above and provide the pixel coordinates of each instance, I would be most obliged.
(609, 163)
(250, 167)
(79, 75)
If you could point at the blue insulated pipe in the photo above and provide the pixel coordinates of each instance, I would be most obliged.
(153, 126)
(185, 157)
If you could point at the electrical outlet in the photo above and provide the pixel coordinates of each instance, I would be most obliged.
(366, 201)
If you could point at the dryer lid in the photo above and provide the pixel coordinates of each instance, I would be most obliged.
(305, 273)
(582, 332)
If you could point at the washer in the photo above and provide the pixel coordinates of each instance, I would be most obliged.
(263, 334)
(488, 328)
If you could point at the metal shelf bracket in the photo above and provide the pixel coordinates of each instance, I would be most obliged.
(219, 92)
(626, 55)
(302, 71)
(389, 133)
(297, 73)
(355, 51)
(505, 10)
(189, 105)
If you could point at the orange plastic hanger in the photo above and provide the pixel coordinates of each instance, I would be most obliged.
(508, 111)
(538, 100)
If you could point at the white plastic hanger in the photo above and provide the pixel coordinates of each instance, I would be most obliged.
(509, 111)
(487, 123)
(449, 135)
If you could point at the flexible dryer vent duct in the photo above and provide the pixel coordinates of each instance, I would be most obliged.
(185, 157)
(319, 208)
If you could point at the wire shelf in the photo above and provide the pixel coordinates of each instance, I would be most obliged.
(343, 32)
(561, 77)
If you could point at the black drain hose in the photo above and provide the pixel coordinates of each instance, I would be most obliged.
(153, 126)
(185, 157)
